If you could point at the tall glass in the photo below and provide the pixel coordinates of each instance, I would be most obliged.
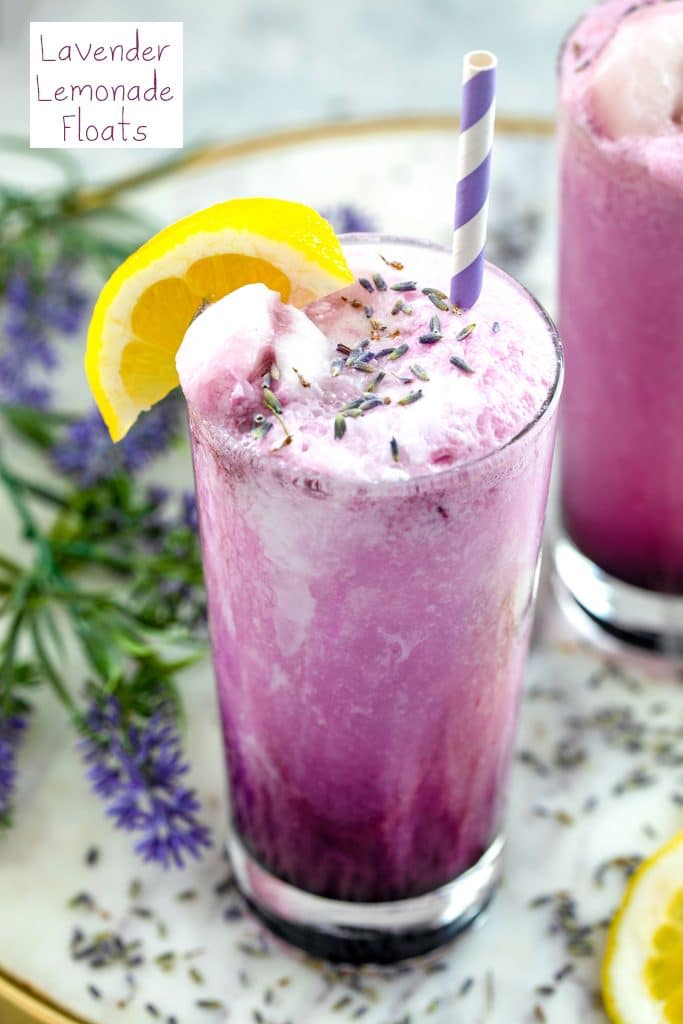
(621, 318)
(369, 643)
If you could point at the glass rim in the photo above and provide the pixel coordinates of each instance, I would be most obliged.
(332, 485)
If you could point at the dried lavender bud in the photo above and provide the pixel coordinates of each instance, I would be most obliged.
(414, 396)
(461, 363)
(271, 402)
(465, 332)
(398, 352)
(393, 445)
(404, 286)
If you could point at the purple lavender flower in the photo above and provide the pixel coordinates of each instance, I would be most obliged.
(346, 218)
(86, 453)
(188, 511)
(12, 730)
(34, 313)
(139, 769)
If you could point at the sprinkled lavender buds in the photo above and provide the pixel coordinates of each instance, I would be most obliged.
(378, 380)
(368, 311)
(397, 307)
(384, 352)
(414, 396)
(339, 427)
(430, 338)
(259, 432)
(360, 353)
(398, 352)
(271, 402)
(465, 332)
(380, 283)
(461, 363)
(371, 403)
(352, 405)
(391, 263)
(404, 286)
(363, 281)
(336, 367)
(439, 303)
(363, 367)
(393, 446)
(418, 371)
(495, 327)
(344, 349)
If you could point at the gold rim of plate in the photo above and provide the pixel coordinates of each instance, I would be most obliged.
(28, 1005)
(22, 1004)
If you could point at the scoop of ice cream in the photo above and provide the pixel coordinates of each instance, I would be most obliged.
(382, 380)
(232, 343)
(637, 80)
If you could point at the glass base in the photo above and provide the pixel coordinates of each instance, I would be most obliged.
(644, 619)
(360, 933)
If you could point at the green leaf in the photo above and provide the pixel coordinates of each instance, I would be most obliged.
(40, 428)
(44, 660)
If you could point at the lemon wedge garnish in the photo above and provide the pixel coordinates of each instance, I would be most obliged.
(148, 303)
(642, 974)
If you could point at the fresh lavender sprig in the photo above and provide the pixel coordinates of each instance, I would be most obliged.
(347, 219)
(12, 731)
(86, 453)
(137, 767)
(37, 313)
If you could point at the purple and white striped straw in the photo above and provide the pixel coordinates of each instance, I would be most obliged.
(473, 175)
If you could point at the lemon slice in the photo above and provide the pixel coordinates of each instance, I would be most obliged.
(642, 974)
(148, 303)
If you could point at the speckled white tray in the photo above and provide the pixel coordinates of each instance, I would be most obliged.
(598, 776)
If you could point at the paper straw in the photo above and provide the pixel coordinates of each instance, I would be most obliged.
(473, 176)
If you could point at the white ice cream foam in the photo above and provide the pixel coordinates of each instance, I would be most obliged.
(235, 339)
(636, 83)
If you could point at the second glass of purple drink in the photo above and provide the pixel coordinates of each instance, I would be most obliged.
(620, 127)
(369, 640)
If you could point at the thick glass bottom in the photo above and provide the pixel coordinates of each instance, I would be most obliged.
(649, 621)
(358, 933)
